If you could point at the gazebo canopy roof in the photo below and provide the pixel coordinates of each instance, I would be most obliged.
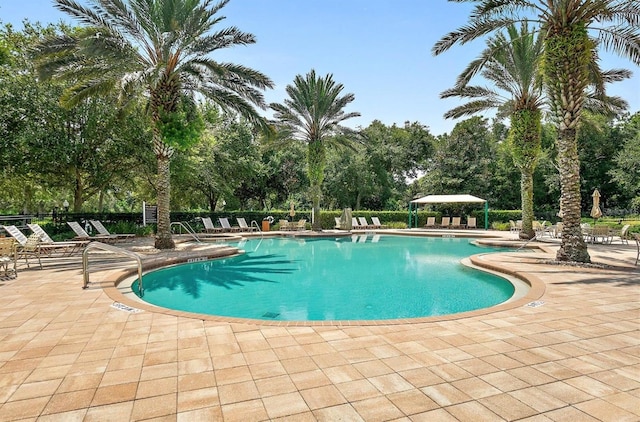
(447, 199)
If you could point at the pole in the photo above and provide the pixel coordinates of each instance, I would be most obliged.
(486, 215)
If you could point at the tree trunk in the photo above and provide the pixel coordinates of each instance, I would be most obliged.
(316, 159)
(526, 194)
(78, 192)
(163, 234)
(573, 246)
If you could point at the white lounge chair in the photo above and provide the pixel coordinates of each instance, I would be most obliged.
(431, 223)
(377, 224)
(71, 245)
(355, 224)
(471, 223)
(242, 223)
(445, 222)
(364, 223)
(102, 231)
(208, 225)
(44, 247)
(226, 227)
(456, 224)
(81, 234)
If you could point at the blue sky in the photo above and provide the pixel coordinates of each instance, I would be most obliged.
(380, 50)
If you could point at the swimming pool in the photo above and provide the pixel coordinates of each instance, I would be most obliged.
(358, 278)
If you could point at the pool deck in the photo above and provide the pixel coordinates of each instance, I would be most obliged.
(572, 354)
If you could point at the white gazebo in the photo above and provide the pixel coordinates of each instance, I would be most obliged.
(447, 199)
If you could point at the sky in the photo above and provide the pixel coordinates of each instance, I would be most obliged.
(380, 50)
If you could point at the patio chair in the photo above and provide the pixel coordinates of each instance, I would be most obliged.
(47, 248)
(356, 224)
(8, 256)
(364, 223)
(444, 224)
(431, 223)
(81, 234)
(623, 234)
(377, 224)
(226, 227)
(456, 224)
(31, 248)
(284, 225)
(208, 225)
(242, 223)
(471, 223)
(102, 231)
(302, 224)
(338, 223)
(636, 236)
(71, 245)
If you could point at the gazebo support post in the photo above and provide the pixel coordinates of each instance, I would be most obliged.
(486, 215)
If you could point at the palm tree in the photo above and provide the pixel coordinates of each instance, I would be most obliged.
(512, 65)
(572, 31)
(313, 113)
(159, 50)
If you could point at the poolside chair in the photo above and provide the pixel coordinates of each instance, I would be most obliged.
(102, 231)
(636, 236)
(377, 224)
(444, 224)
(81, 234)
(471, 223)
(242, 223)
(355, 224)
(208, 225)
(431, 223)
(226, 227)
(284, 225)
(364, 223)
(456, 224)
(30, 248)
(302, 224)
(71, 245)
(47, 248)
(338, 223)
(623, 234)
(8, 255)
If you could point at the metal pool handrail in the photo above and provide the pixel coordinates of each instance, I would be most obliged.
(187, 227)
(110, 248)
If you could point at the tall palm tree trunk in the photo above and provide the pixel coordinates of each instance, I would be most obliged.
(568, 53)
(526, 196)
(316, 160)
(163, 186)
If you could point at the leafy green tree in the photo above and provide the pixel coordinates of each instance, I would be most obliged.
(511, 65)
(569, 52)
(462, 162)
(313, 113)
(626, 172)
(159, 50)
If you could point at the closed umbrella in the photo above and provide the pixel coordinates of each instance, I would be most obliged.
(595, 210)
(292, 211)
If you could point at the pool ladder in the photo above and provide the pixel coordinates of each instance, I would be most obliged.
(187, 227)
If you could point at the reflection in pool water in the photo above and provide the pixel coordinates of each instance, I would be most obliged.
(359, 278)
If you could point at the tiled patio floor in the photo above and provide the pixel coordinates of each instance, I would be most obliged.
(66, 354)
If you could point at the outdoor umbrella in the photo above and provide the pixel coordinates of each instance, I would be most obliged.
(595, 211)
(292, 211)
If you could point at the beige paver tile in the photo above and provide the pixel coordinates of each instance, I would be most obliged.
(591, 386)
(358, 390)
(569, 414)
(606, 411)
(538, 399)
(377, 409)
(285, 405)
(197, 399)
(565, 392)
(344, 412)
(342, 373)
(439, 415)
(154, 407)
(196, 381)
(508, 407)
(625, 401)
(472, 411)
(445, 394)
(275, 386)
(121, 376)
(23, 409)
(115, 394)
(157, 387)
(421, 377)
(70, 416)
(242, 391)
(390, 383)
(412, 402)
(267, 370)
(325, 396)
(65, 402)
(203, 414)
(35, 389)
(310, 379)
(251, 410)
(299, 364)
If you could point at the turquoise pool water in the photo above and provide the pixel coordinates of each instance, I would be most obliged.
(359, 278)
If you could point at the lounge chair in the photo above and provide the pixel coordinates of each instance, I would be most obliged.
(471, 223)
(71, 245)
(32, 247)
(377, 224)
(623, 234)
(364, 223)
(208, 225)
(102, 231)
(302, 224)
(81, 234)
(8, 255)
(431, 223)
(284, 225)
(355, 224)
(444, 224)
(338, 223)
(636, 237)
(47, 248)
(456, 224)
(226, 227)
(242, 223)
